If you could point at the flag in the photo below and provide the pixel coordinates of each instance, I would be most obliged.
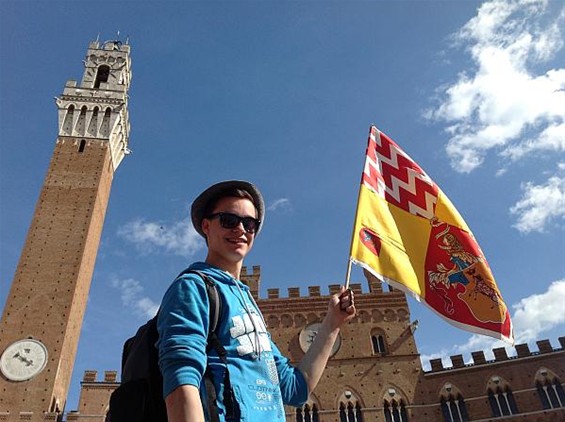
(408, 234)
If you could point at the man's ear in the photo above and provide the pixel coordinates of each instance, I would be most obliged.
(205, 226)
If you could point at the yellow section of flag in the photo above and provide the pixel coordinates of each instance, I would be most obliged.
(409, 234)
(399, 241)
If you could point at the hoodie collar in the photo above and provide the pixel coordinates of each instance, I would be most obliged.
(218, 274)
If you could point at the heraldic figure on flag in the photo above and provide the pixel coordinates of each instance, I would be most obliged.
(408, 234)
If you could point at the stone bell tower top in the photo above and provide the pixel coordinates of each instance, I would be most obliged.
(97, 108)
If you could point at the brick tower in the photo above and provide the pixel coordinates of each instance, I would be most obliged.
(41, 323)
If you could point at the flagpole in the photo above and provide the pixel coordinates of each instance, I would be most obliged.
(349, 263)
(348, 273)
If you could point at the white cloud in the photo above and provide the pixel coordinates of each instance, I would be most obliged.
(552, 138)
(505, 102)
(538, 313)
(178, 238)
(132, 296)
(540, 204)
(281, 204)
(531, 317)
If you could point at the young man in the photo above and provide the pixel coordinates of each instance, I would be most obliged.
(229, 216)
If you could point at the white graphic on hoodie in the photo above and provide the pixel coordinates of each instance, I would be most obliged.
(243, 330)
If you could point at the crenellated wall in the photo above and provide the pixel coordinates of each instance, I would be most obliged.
(94, 396)
(500, 355)
(519, 378)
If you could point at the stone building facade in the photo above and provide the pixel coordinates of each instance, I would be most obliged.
(375, 372)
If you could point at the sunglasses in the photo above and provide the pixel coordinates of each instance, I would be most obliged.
(230, 221)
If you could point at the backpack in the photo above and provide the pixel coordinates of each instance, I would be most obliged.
(139, 398)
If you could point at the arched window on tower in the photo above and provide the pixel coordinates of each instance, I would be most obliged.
(68, 123)
(105, 126)
(54, 405)
(307, 413)
(342, 413)
(453, 409)
(549, 389)
(394, 406)
(102, 75)
(299, 417)
(358, 413)
(81, 122)
(500, 397)
(395, 411)
(378, 341)
(350, 409)
(452, 404)
(93, 125)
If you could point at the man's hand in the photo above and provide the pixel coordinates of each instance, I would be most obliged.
(341, 308)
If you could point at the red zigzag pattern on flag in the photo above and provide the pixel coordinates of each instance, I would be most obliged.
(393, 175)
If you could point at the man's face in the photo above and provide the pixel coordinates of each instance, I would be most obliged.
(229, 246)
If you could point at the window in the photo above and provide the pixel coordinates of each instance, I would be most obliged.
(105, 126)
(378, 343)
(102, 75)
(453, 409)
(549, 389)
(551, 393)
(81, 122)
(350, 412)
(307, 413)
(502, 401)
(350, 407)
(68, 123)
(82, 145)
(395, 411)
(93, 126)
(452, 404)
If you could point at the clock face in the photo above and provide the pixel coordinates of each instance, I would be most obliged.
(23, 359)
(308, 334)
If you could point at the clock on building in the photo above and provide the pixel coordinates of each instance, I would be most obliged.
(308, 334)
(23, 359)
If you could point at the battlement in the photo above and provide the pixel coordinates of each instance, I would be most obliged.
(91, 376)
(313, 291)
(108, 45)
(253, 279)
(500, 355)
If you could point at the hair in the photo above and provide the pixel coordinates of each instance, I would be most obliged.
(228, 193)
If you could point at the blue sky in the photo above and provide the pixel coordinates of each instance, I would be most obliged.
(283, 94)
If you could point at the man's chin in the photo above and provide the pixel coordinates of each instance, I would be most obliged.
(238, 254)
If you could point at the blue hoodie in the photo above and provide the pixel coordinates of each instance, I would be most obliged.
(262, 379)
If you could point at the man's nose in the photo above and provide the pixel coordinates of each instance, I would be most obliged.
(239, 227)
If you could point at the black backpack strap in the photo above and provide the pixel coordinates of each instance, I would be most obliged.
(215, 307)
